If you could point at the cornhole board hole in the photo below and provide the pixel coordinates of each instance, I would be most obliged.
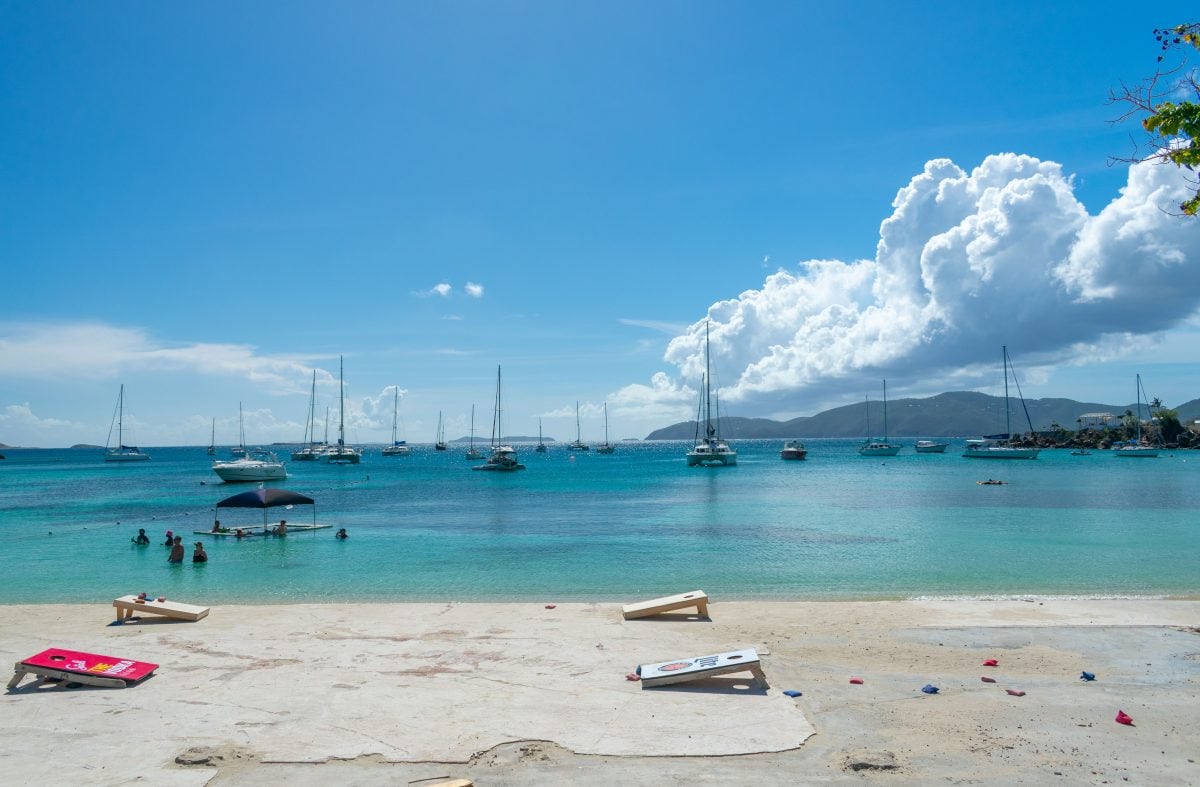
(73, 666)
(682, 670)
(657, 606)
(128, 606)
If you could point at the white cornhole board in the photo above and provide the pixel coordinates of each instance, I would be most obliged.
(681, 670)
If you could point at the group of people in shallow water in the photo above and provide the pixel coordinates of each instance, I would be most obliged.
(199, 555)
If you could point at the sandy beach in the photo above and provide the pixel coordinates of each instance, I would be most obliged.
(508, 694)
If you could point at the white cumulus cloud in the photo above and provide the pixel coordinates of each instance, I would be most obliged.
(966, 262)
(473, 289)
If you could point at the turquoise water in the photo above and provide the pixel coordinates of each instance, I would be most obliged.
(591, 527)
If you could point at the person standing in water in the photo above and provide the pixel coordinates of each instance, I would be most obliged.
(141, 538)
(199, 556)
(176, 555)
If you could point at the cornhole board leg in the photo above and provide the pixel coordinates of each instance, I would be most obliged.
(44, 674)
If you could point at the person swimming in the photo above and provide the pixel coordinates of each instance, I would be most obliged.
(341, 533)
(141, 538)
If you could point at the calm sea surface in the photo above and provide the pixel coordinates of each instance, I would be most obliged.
(590, 527)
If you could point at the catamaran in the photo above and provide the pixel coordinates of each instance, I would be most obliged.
(1136, 448)
(121, 452)
(312, 449)
(605, 447)
(503, 456)
(1002, 446)
(398, 447)
(873, 447)
(342, 454)
(710, 449)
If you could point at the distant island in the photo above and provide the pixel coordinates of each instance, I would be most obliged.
(955, 414)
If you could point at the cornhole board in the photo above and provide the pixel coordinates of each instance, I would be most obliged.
(681, 670)
(656, 606)
(76, 667)
(128, 606)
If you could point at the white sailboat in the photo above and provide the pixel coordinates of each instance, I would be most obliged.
(312, 449)
(873, 447)
(1135, 448)
(578, 444)
(1002, 446)
(605, 447)
(503, 457)
(342, 454)
(471, 452)
(240, 448)
(541, 446)
(398, 447)
(212, 442)
(440, 443)
(121, 452)
(710, 449)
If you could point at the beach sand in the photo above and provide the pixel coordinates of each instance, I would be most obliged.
(515, 693)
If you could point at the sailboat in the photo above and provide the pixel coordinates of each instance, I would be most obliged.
(605, 447)
(503, 456)
(1002, 446)
(440, 443)
(541, 446)
(1135, 448)
(212, 442)
(122, 452)
(711, 449)
(312, 449)
(342, 454)
(398, 447)
(577, 445)
(240, 448)
(873, 447)
(471, 452)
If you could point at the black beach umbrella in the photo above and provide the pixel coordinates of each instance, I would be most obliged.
(265, 498)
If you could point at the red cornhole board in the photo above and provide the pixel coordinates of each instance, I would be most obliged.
(75, 666)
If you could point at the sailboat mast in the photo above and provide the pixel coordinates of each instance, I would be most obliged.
(241, 429)
(312, 406)
(1139, 408)
(708, 428)
(472, 427)
(606, 423)
(341, 403)
(1007, 417)
(395, 407)
(885, 411)
(120, 416)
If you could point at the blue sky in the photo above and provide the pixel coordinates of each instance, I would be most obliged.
(207, 202)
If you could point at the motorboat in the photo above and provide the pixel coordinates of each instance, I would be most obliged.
(793, 449)
(931, 447)
(257, 465)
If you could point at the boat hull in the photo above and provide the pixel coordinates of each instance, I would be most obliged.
(344, 457)
(249, 471)
(1138, 452)
(711, 458)
(931, 448)
(881, 449)
(396, 450)
(126, 457)
(793, 453)
(1001, 452)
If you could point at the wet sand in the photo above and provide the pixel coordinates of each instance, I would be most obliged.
(509, 694)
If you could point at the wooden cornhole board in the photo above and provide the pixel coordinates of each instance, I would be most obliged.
(642, 609)
(76, 667)
(682, 670)
(128, 606)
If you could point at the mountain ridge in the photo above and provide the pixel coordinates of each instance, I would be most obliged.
(951, 414)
